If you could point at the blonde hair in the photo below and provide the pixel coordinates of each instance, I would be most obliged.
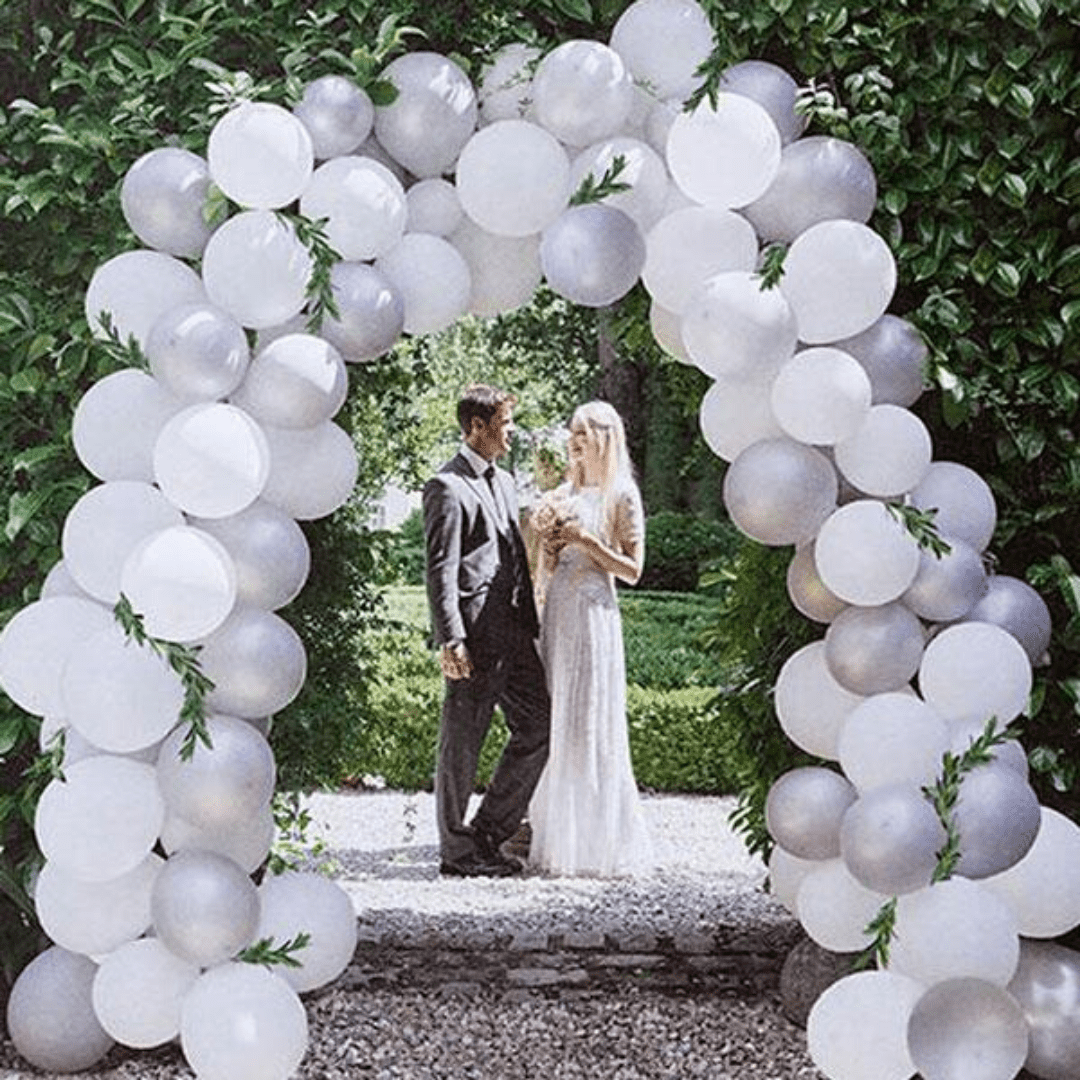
(616, 468)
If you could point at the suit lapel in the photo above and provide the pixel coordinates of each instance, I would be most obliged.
(480, 486)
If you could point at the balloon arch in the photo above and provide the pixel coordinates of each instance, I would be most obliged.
(583, 168)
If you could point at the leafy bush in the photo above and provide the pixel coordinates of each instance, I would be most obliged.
(401, 552)
(677, 544)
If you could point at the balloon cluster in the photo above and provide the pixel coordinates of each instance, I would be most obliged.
(451, 200)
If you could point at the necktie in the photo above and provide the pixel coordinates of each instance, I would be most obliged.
(500, 510)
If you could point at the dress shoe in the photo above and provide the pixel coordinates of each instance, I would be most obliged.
(478, 864)
(493, 850)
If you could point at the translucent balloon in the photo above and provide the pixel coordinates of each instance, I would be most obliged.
(864, 555)
(198, 352)
(954, 929)
(820, 179)
(138, 990)
(505, 91)
(998, 816)
(372, 148)
(256, 662)
(658, 121)
(976, 670)
(581, 92)
(889, 738)
(890, 837)
(211, 460)
(163, 197)
(1043, 888)
(804, 809)
(182, 581)
(432, 278)
(95, 917)
(221, 784)
(821, 396)
(513, 178)
(1015, 606)
(736, 413)
(888, 453)
(667, 331)
(298, 380)
(137, 287)
(105, 526)
(772, 88)
(947, 586)
(810, 704)
(242, 1020)
(35, 645)
(432, 116)
(102, 821)
(256, 269)
(59, 582)
(50, 1016)
(592, 254)
(687, 39)
(731, 326)
(260, 155)
(295, 902)
(835, 909)
(337, 113)
(312, 470)
(246, 841)
(371, 312)
(364, 205)
(963, 502)
(118, 694)
(504, 270)
(433, 207)
(737, 132)
(205, 908)
(643, 169)
(961, 1025)
(894, 354)
(839, 277)
(857, 1029)
(873, 650)
(1047, 988)
(269, 551)
(807, 591)
(687, 247)
(786, 873)
(778, 491)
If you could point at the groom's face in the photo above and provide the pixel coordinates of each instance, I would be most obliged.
(492, 439)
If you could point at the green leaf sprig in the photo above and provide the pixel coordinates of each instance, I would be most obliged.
(881, 928)
(592, 190)
(367, 62)
(127, 353)
(265, 952)
(320, 293)
(184, 660)
(772, 266)
(920, 523)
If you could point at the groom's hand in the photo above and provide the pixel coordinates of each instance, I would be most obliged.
(455, 661)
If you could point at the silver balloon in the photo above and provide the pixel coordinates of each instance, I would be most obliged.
(807, 591)
(163, 197)
(946, 587)
(337, 113)
(963, 1028)
(1015, 606)
(198, 352)
(804, 809)
(894, 355)
(1047, 988)
(890, 838)
(998, 817)
(371, 312)
(820, 178)
(592, 254)
(779, 492)
(963, 500)
(772, 88)
(871, 650)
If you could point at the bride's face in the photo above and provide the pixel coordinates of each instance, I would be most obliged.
(583, 450)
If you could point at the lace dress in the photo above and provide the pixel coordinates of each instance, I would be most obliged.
(586, 814)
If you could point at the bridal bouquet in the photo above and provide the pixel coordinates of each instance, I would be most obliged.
(551, 512)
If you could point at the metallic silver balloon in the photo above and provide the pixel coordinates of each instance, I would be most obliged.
(871, 650)
(163, 197)
(1015, 606)
(337, 113)
(998, 817)
(1047, 988)
(948, 586)
(804, 809)
(371, 312)
(894, 355)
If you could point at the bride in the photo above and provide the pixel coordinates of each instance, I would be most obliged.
(586, 815)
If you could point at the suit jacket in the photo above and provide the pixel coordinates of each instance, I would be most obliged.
(477, 576)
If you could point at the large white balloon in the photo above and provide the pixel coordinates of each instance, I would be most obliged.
(962, 502)
(198, 352)
(371, 312)
(736, 413)
(431, 118)
(811, 705)
(663, 42)
(1047, 988)
(260, 155)
(505, 90)
(887, 454)
(821, 396)
(312, 470)
(247, 841)
(337, 113)
(432, 278)
(504, 271)
(643, 169)
(433, 207)
(835, 909)
(787, 873)
(839, 277)
(772, 88)
(163, 198)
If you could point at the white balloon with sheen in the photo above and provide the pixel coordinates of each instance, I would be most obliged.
(337, 113)
(432, 278)
(821, 396)
(687, 36)
(734, 414)
(163, 197)
(811, 705)
(312, 470)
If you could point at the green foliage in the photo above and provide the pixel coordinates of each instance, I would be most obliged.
(678, 547)
(401, 552)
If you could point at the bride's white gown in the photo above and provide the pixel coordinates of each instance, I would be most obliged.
(586, 814)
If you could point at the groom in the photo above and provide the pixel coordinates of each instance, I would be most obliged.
(485, 624)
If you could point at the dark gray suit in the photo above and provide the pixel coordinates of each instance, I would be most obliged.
(480, 593)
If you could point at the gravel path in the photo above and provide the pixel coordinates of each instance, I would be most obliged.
(383, 844)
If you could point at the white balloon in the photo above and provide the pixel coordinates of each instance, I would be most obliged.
(962, 500)
(59, 582)
(260, 155)
(947, 586)
(163, 197)
(734, 414)
(821, 396)
(839, 277)
(737, 132)
(887, 454)
(807, 591)
(371, 312)
(504, 271)
(247, 841)
(786, 873)
(312, 470)
(864, 555)
(256, 269)
(811, 705)
(433, 207)
(643, 169)
(198, 352)
(513, 178)
(505, 91)
(835, 909)
(364, 205)
(667, 331)
(337, 113)
(182, 581)
(432, 278)
(663, 42)
(105, 526)
(687, 247)
(211, 459)
(772, 88)
(432, 116)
